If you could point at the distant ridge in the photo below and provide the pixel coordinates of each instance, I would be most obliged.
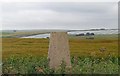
(55, 30)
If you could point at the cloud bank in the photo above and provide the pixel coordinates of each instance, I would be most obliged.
(59, 15)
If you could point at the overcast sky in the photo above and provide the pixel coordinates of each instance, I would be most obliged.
(59, 15)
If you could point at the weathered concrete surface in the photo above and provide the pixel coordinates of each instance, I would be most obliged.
(58, 49)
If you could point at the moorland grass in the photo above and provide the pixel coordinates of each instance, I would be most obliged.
(79, 46)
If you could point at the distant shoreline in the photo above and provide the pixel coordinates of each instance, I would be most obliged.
(25, 33)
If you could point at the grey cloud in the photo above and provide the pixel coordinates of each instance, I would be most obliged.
(67, 15)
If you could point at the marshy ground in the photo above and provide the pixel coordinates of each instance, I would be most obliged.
(79, 46)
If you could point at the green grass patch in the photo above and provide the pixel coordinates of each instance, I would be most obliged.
(29, 64)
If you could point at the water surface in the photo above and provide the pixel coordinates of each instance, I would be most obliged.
(76, 32)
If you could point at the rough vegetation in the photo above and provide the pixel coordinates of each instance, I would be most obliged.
(80, 65)
(27, 55)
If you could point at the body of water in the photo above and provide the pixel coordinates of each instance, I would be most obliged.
(96, 32)
(38, 36)
(76, 32)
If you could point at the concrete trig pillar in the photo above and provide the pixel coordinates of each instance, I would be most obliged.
(58, 49)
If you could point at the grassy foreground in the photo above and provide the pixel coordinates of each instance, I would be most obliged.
(80, 65)
(25, 55)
